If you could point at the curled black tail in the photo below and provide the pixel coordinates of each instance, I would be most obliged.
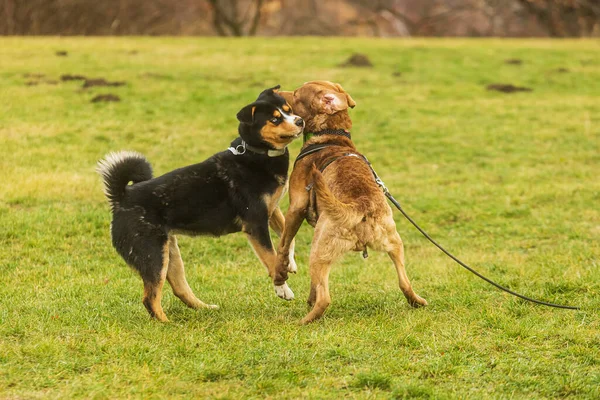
(120, 168)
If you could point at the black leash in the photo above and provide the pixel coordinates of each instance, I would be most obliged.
(395, 202)
(462, 264)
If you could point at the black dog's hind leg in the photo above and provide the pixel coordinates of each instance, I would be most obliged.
(154, 274)
(176, 278)
(145, 247)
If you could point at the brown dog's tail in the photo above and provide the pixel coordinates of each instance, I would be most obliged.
(342, 213)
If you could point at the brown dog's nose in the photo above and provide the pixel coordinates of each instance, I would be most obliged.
(299, 122)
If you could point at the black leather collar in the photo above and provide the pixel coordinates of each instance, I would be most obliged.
(336, 132)
(242, 148)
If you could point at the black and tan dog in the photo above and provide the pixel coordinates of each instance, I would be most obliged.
(345, 205)
(235, 190)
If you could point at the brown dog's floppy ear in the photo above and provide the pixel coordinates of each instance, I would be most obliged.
(334, 102)
(349, 99)
(246, 114)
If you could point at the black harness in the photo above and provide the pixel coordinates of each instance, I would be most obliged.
(315, 148)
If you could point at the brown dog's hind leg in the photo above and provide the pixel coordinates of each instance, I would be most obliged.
(319, 290)
(396, 253)
(312, 296)
(176, 278)
(325, 250)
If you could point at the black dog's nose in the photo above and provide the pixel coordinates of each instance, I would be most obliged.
(299, 122)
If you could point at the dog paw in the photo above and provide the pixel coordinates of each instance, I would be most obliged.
(211, 306)
(284, 292)
(417, 302)
(292, 267)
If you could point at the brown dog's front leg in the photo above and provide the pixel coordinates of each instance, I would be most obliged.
(277, 223)
(293, 220)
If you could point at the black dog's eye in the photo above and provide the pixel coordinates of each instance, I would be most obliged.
(276, 121)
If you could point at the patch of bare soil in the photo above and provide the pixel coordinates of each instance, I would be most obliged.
(100, 82)
(42, 81)
(61, 53)
(106, 98)
(507, 88)
(513, 61)
(357, 60)
(69, 77)
(562, 70)
(33, 75)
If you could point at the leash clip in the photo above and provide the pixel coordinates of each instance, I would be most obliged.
(381, 184)
(235, 151)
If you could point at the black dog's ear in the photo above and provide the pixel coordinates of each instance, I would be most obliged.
(246, 114)
(269, 92)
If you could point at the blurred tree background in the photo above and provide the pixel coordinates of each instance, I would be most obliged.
(382, 18)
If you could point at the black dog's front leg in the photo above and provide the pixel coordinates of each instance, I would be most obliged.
(260, 240)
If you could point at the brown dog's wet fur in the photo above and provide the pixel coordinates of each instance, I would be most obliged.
(352, 210)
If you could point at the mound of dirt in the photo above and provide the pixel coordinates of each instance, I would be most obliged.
(100, 82)
(106, 97)
(69, 77)
(357, 60)
(33, 75)
(507, 88)
(514, 61)
(47, 82)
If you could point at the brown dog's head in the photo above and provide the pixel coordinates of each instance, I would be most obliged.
(322, 105)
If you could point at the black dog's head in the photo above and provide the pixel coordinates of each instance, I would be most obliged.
(269, 121)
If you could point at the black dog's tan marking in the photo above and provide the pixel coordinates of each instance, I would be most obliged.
(226, 193)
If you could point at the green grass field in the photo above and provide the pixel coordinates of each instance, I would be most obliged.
(508, 182)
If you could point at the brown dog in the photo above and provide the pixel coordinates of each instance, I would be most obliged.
(334, 189)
